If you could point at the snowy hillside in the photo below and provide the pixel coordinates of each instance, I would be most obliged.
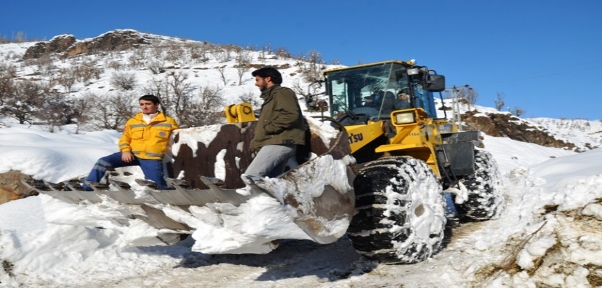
(191, 77)
(547, 236)
(583, 133)
(96, 86)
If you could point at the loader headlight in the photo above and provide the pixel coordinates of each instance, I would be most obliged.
(413, 71)
(405, 118)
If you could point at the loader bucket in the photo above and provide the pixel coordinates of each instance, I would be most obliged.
(205, 165)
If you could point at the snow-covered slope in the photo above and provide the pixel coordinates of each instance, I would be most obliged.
(583, 133)
(547, 236)
(548, 188)
(199, 67)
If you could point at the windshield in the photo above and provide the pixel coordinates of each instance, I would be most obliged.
(376, 91)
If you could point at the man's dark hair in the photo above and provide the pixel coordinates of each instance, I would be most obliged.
(151, 98)
(269, 72)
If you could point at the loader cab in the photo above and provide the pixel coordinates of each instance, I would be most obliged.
(369, 92)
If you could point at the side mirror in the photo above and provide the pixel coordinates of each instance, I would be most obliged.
(309, 98)
(435, 83)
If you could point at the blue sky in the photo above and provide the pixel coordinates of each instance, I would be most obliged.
(544, 55)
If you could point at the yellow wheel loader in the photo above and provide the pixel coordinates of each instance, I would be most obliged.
(407, 154)
(369, 170)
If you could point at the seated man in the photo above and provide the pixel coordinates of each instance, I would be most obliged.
(143, 143)
(369, 101)
(374, 100)
(280, 129)
(402, 101)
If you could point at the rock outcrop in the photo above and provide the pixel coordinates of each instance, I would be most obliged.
(507, 125)
(68, 46)
(57, 44)
(111, 41)
(11, 187)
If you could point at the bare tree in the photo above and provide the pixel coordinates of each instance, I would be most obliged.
(471, 96)
(66, 78)
(173, 90)
(155, 65)
(44, 64)
(233, 49)
(251, 98)
(298, 89)
(198, 52)
(311, 68)
(123, 80)
(54, 111)
(222, 71)
(160, 88)
(283, 53)
(115, 65)
(115, 111)
(174, 52)
(180, 90)
(7, 88)
(19, 37)
(243, 60)
(156, 51)
(314, 91)
(8, 70)
(24, 102)
(499, 101)
(222, 55)
(241, 72)
(211, 99)
(517, 111)
(206, 109)
(136, 60)
(87, 70)
(262, 54)
(82, 108)
(467, 93)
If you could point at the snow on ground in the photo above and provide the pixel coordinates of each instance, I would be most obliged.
(581, 132)
(548, 233)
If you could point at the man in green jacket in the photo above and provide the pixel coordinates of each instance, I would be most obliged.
(280, 127)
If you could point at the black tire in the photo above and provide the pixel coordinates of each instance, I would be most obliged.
(400, 211)
(484, 200)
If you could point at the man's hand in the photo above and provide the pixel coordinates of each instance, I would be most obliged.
(127, 156)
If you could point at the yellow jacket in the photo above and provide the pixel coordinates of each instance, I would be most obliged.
(147, 141)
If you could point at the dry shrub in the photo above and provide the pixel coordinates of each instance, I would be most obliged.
(123, 80)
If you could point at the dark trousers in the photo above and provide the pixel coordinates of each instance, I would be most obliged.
(152, 169)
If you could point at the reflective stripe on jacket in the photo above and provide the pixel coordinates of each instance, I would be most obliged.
(147, 141)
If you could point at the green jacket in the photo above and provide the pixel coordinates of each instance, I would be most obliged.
(280, 119)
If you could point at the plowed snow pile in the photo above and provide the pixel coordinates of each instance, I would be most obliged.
(548, 236)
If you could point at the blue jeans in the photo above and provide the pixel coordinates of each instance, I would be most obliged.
(152, 169)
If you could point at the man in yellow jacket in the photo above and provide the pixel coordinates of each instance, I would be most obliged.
(143, 143)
